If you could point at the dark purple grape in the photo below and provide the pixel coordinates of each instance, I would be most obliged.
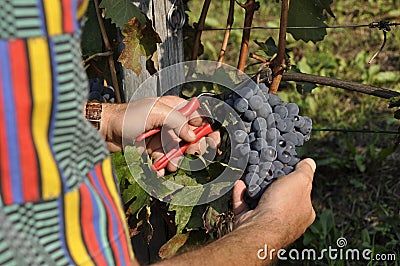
(240, 136)
(284, 156)
(293, 109)
(254, 158)
(256, 102)
(243, 149)
(246, 92)
(259, 144)
(249, 115)
(274, 100)
(252, 136)
(253, 168)
(281, 110)
(264, 111)
(241, 105)
(269, 154)
(259, 123)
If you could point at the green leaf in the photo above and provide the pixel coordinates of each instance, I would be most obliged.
(149, 39)
(397, 114)
(326, 220)
(182, 216)
(305, 87)
(92, 42)
(132, 154)
(358, 184)
(170, 248)
(210, 218)
(326, 4)
(386, 77)
(138, 195)
(303, 13)
(196, 221)
(122, 11)
(360, 162)
(394, 102)
(269, 46)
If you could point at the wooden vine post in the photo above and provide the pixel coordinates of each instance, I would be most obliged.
(169, 52)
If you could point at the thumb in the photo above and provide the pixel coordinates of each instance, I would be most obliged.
(306, 168)
(239, 205)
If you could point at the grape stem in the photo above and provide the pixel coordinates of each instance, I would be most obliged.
(229, 24)
(280, 61)
(250, 7)
(339, 83)
(109, 57)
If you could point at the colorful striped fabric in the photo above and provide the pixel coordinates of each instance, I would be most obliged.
(57, 192)
(53, 232)
(47, 147)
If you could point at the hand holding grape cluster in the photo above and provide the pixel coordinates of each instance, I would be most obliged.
(273, 130)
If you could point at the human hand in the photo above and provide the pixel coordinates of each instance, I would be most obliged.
(148, 113)
(285, 207)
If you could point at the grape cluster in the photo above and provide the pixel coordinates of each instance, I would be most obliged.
(100, 92)
(272, 131)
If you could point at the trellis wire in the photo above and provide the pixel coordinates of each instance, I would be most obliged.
(370, 25)
(363, 131)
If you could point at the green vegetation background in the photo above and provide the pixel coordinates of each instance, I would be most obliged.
(357, 185)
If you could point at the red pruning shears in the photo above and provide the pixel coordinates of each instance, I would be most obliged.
(200, 132)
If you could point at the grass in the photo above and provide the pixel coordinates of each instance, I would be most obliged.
(357, 186)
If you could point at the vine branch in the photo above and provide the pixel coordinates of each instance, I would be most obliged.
(110, 57)
(199, 28)
(339, 83)
(279, 61)
(250, 7)
(104, 54)
(229, 24)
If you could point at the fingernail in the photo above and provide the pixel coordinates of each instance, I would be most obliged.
(311, 163)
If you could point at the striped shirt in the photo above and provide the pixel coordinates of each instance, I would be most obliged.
(56, 185)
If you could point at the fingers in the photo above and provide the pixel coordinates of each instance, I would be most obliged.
(239, 205)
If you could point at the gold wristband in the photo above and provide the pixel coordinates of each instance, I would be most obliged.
(93, 113)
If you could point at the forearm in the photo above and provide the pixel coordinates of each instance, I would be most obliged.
(240, 247)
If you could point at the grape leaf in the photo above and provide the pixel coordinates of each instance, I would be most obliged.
(170, 248)
(210, 218)
(269, 46)
(149, 39)
(134, 50)
(305, 87)
(303, 13)
(326, 4)
(122, 11)
(138, 195)
(182, 216)
(92, 42)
